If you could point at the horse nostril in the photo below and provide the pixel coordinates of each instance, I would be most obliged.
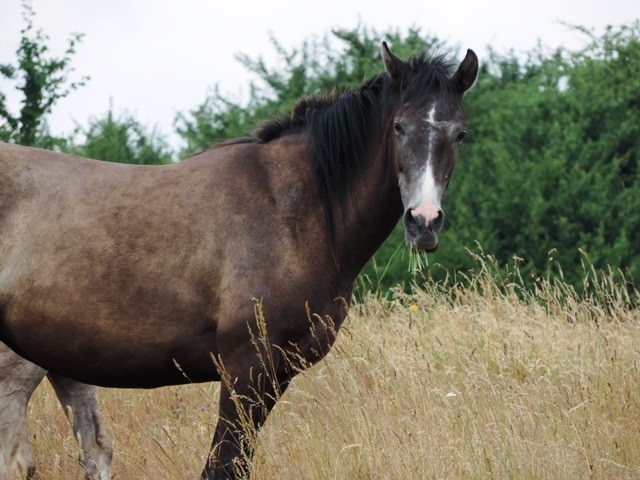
(436, 223)
(414, 224)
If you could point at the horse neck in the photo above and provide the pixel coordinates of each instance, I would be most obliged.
(355, 172)
(370, 214)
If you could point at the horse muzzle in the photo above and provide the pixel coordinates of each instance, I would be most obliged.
(422, 233)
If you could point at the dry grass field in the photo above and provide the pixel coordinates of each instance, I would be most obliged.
(457, 383)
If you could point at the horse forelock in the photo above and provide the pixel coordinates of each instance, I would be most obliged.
(431, 74)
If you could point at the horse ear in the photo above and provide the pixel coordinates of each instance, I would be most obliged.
(467, 72)
(396, 68)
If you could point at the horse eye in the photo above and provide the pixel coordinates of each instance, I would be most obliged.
(461, 136)
(398, 128)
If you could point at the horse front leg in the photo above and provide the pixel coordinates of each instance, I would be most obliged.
(18, 379)
(245, 403)
(80, 403)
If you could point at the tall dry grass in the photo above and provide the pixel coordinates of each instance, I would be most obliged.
(479, 382)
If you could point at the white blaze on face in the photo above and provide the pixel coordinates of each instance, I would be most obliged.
(427, 195)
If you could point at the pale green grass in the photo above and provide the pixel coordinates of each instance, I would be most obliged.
(464, 383)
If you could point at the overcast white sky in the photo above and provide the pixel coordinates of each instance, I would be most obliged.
(155, 58)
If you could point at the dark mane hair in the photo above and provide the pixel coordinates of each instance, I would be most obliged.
(340, 124)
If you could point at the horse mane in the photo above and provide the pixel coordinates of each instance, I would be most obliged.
(340, 123)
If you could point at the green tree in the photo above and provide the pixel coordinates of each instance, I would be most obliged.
(122, 139)
(41, 79)
(551, 167)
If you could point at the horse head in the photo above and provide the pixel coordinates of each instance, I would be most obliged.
(428, 127)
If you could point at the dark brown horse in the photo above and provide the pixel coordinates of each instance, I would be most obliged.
(138, 276)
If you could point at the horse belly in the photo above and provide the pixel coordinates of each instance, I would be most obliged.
(80, 307)
(112, 343)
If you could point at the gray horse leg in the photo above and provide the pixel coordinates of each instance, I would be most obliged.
(18, 379)
(80, 403)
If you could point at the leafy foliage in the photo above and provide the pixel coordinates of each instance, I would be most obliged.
(552, 167)
(123, 140)
(42, 81)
